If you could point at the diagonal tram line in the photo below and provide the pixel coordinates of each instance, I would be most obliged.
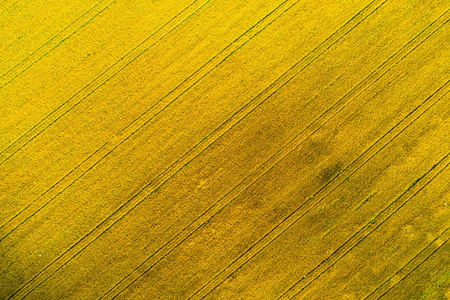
(124, 141)
(439, 248)
(106, 146)
(348, 171)
(307, 60)
(429, 256)
(218, 202)
(117, 141)
(8, 223)
(193, 229)
(43, 47)
(215, 61)
(321, 49)
(444, 86)
(366, 230)
(111, 145)
(101, 79)
(410, 266)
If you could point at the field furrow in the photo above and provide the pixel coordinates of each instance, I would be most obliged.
(221, 149)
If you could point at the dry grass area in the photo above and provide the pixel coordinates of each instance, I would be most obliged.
(224, 149)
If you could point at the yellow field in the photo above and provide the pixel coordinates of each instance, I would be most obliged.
(206, 149)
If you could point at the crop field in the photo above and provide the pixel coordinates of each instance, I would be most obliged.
(225, 149)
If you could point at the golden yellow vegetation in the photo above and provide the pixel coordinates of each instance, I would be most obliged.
(224, 149)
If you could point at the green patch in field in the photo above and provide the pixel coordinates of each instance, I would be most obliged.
(364, 201)
(437, 286)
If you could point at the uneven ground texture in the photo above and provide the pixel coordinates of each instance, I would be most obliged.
(225, 149)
